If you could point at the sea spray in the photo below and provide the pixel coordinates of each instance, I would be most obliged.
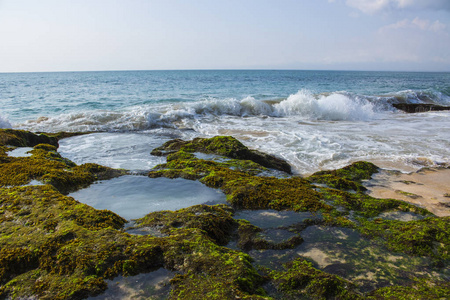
(4, 123)
(313, 119)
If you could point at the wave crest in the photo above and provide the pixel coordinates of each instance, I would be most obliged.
(4, 123)
(304, 105)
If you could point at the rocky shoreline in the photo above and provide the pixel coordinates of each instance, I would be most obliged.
(54, 247)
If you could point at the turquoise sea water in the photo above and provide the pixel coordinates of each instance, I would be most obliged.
(314, 119)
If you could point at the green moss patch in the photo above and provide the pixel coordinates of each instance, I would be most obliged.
(216, 221)
(302, 281)
(47, 166)
(22, 138)
(420, 289)
(347, 178)
(54, 247)
(244, 190)
(367, 206)
(225, 146)
(427, 237)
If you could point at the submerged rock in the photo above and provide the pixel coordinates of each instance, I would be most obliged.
(418, 108)
(302, 280)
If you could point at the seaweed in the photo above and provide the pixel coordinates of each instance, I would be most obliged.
(302, 280)
(22, 138)
(427, 237)
(347, 178)
(53, 247)
(225, 146)
(48, 166)
(216, 221)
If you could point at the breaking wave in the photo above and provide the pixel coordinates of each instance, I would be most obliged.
(4, 123)
(304, 105)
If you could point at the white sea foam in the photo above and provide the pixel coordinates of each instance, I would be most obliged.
(335, 106)
(4, 123)
(311, 131)
(129, 151)
(304, 105)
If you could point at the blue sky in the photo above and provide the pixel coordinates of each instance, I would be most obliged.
(86, 35)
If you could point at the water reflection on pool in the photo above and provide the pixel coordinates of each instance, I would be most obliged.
(153, 285)
(134, 196)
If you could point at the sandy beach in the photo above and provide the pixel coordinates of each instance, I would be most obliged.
(428, 188)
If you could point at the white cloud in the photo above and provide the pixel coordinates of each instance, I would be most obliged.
(437, 26)
(368, 6)
(417, 23)
(374, 6)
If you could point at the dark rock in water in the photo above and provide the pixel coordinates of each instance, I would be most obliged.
(445, 204)
(224, 146)
(340, 269)
(21, 138)
(417, 108)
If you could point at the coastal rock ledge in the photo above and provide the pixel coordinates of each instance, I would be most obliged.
(419, 107)
(54, 247)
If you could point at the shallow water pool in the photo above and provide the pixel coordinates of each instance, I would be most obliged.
(270, 218)
(20, 152)
(133, 196)
(153, 285)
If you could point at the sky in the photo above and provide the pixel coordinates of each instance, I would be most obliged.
(90, 35)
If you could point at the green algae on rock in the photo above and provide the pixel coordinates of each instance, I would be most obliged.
(216, 221)
(347, 178)
(48, 166)
(302, 281)
(22, 138)
(242, 187)
(367, 206)
(53, 247)
(225, 146)
(427, 237)
(56, 248)
(244, 190)
(419, 289)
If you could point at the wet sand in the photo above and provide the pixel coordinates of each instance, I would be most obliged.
(428, 188)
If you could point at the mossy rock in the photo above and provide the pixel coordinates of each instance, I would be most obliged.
(54, 247)
(216, 221)
(420, 289)
(213, 272)
(347, 178)
(367, 206)
(244, 190)
(302, 281)
(247, 236)
(225, 146)
(427, 237)
(22, 138)
(48, 166)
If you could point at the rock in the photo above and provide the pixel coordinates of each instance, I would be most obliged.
(21, 138)
(225, 146)
(417, 108)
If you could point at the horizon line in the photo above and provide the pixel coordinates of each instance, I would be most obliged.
(231, 69)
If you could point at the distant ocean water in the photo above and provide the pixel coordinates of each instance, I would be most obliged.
(314, 119)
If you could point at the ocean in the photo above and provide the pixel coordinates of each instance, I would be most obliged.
(316, 120)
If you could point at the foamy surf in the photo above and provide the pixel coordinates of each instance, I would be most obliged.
(314, 120)
(338, 106)
(4, 123)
